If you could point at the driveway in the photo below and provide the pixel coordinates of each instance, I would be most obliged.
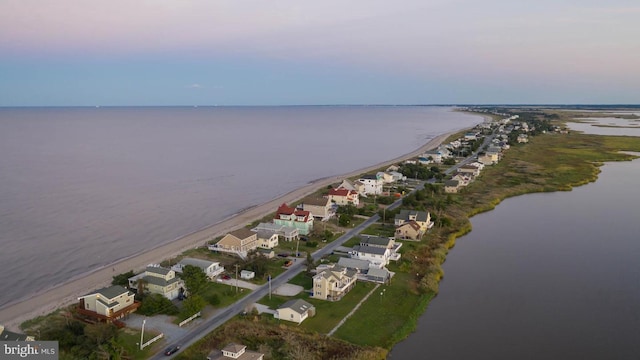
(288, 290)
(241, 283)
(159, 324)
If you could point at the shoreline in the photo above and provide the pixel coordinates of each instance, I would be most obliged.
(51, 299)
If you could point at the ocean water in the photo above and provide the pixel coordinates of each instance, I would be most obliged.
(83, 187)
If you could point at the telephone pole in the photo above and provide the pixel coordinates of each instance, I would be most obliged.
(236, 278)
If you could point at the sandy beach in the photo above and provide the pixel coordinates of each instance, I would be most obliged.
(49, 300)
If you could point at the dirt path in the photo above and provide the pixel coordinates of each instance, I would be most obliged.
(49, 300)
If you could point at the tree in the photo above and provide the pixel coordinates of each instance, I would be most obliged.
(194, 278)
(140, 287)
(192, 305)
(345, 219)
(310, 264)
(154, 304)
(122, 279)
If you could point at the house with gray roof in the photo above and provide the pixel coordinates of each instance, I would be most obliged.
(210, 268)
(423, 218)
(378, 275)
(158, 280)
(285, 233)
(372, 247)
(333, 283)
(6, 335)
(236, 352)
(108, 304)
(296, 310)
(376, 256)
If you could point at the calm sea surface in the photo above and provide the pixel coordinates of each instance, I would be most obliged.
(543, 276)
(83, 187)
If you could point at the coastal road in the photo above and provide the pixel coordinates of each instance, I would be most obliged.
(225, 314)
(242, 305)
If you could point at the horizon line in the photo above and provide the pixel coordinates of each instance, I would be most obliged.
(334, 105)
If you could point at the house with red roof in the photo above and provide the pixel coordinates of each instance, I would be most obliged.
(300, 219)
(342, 196)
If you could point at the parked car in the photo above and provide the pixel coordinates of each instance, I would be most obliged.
(172, 350)
(284, 255)
(225, 277)
(288, 263)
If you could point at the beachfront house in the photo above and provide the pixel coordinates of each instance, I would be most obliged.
(299, 219)
(385, 176)
(6, 335)
(342, 196)
(296, 310)
(332, 284)
(158, 280)
(108, 304)
(372, 185)
(238, 242)
(319, 207)
(267, 239)
(421, 217)
(210, 268)
(235, 352)
(346, 184)
(396, 176)
(431, 156)
(285, 233)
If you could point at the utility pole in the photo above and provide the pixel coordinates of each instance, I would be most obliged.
(298, 246)
(236, 278)
(142, 333)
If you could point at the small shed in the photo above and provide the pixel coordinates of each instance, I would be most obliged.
(247, 275)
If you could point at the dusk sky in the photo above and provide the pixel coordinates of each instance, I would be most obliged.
(208, 52)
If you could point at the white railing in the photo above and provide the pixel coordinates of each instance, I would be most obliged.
(151, 341)
(189, 319)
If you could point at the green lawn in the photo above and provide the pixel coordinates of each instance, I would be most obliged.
(378, 229)
(329, 313)
(387, 314)
(302, 279)
(225, 294)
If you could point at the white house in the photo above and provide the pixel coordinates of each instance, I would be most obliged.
(372, 185)
(210, 268)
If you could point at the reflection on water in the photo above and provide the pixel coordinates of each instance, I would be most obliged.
(543, 276)
(608, 126)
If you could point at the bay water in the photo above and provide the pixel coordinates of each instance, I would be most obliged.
(542, 276)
